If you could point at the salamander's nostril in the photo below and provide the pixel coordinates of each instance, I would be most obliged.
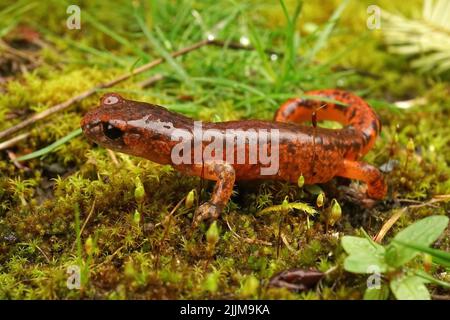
(83, 123)
(87, 124)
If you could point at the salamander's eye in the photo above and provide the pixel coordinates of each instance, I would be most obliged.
(110, 100)
(111, 131)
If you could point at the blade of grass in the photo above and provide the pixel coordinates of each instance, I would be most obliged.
(440, 257)
(325, 33)
(285, 96)
(109, 32)
(14, 8)
(290, 49)
(165, 42)
(51, 147)
(181, 19)
(200, 29)
(10, 16)
(358, 41)
(234, 85)
(160, 49)
(256, 41)
(431, 279)
(99, 53)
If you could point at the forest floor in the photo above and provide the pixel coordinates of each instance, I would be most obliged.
(80, 205)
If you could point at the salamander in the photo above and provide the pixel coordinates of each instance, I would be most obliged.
(318, 154)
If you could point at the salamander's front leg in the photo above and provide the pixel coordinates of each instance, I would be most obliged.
(224, 174)
(376, 187)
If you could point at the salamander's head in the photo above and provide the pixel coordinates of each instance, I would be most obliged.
(131, 127)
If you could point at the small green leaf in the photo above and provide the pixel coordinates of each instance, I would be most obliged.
(377, 294)
(391, 255)
(356, 245)
(363, 255)
(423, 232)
(410, 288)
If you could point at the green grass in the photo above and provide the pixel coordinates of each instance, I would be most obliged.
(318, 46)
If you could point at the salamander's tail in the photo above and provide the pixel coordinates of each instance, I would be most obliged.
(356, 113)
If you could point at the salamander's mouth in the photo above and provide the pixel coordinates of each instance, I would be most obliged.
(86, 126)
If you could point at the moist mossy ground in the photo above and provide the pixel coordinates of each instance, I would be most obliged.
(81, 206)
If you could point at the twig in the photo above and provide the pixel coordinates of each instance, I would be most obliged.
(39, 249)
(43, 253)
(150, 81)
(440, 297)
(419, 203)
(248, 240)
(332, 269)
(109, 257)
(17, 53)
(113, 157)
(88, 217)
(388, 225)
(9, 143)
(64, 105)
(238, 46)
(410, 201)
(392, 220)
(13, 158)
(166, 230)
(286, 243)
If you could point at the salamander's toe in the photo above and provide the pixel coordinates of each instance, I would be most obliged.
(208, 210)
(358, 195)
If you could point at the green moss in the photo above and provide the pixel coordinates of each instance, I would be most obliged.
(123, 254)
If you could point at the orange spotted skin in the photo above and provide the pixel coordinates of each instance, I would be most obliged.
(319, 154)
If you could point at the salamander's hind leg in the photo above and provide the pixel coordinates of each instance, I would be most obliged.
(376, 187)
(224, 174)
